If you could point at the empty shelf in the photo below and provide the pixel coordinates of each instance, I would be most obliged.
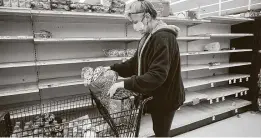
(228, 65)
(191, 96)
(17, 64)
(115, 39)
(80, 60)
(60, 82)
(212, 79)
(192, 38)
(193, 67)
(222, 91)
(17, 89)
(227, 19)
(15, 38)
(222, 107)
(230, 36)
(188, 115)
(191, 53)
(48, 40)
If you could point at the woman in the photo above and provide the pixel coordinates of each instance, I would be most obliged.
(155, 68)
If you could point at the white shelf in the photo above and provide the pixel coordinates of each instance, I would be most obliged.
(191, 96)
(191, 53)
(17, 89)
(222, 91)
(230, 36)
(80, 60)
(15, 38)
(15, 11)
(192, 38)
(60, 82)
(193, 67)
(16, 64)
(115, 39)
(229, 65)
(183, 20)
(188, 115)
(227, 19)
(212, 79)
(49, 40)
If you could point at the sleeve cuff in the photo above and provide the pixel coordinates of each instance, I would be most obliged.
(128, 84)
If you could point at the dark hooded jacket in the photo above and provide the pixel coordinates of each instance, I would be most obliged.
(156, 70)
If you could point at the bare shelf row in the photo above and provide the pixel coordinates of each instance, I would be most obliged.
(116, 39)
(17, 89)
(99, 59)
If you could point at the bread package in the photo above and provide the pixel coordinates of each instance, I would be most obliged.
(60, 5)
(41, 5)
(7, 3)
(14, 3)
(1, 3)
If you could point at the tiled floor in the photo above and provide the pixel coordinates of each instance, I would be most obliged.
(247, 125)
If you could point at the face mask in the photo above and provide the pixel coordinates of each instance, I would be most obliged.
(139, 26)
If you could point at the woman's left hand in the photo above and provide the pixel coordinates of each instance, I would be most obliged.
(114, 87)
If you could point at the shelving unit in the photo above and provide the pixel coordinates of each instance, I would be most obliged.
(78, 40)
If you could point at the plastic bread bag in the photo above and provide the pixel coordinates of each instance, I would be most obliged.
(86, 74)
(97, 72)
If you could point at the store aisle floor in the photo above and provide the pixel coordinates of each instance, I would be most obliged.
(247, 125)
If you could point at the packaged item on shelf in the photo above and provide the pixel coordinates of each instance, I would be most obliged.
(130, 52)
(99, 9)
(212, 46)
(162, 7)
(1, 3)
(14, 3)
(121, 53)
(43, 34)
(110, 52)
(117, 6)
(41, 4)
(7, 3)
(214, 63)
(61, 5)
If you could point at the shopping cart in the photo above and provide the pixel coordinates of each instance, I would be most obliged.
(74, 116)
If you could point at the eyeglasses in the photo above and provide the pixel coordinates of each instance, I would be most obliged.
(131, 20)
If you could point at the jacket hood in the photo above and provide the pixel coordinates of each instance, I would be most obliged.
(174, 29)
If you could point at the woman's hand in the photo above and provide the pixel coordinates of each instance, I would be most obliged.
(114, 87)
